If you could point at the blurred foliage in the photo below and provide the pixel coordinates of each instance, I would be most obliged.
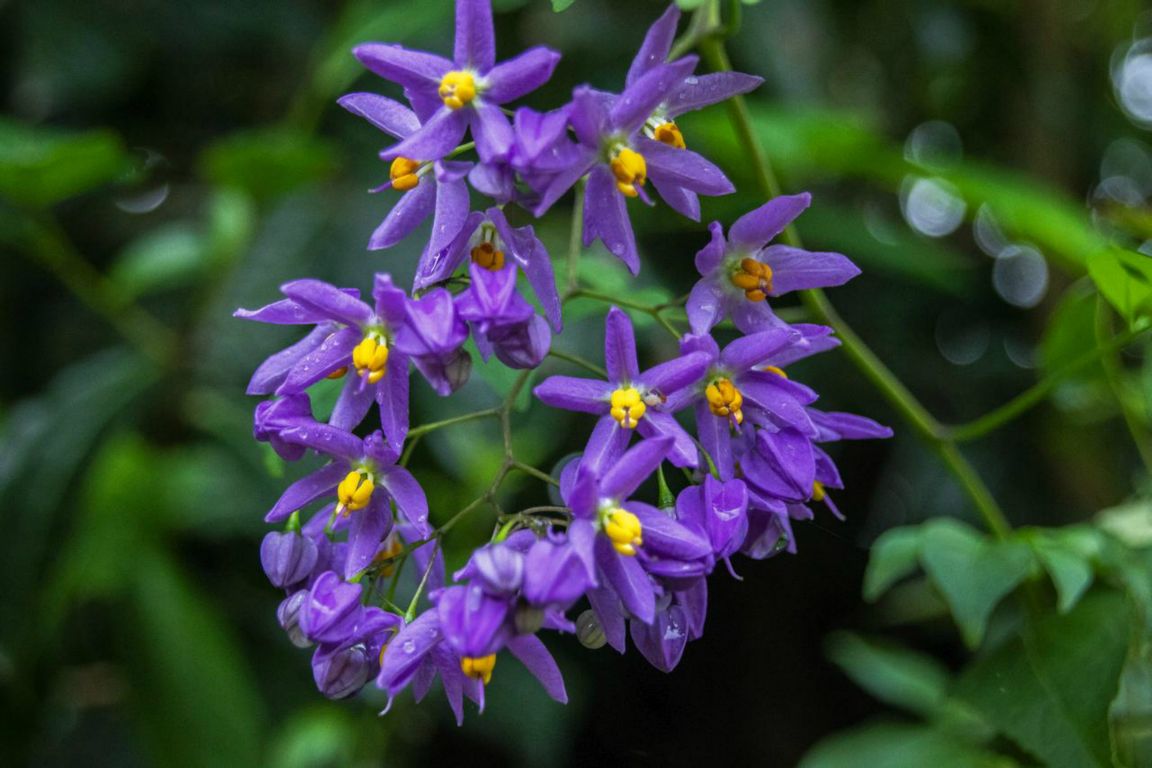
(161, 165)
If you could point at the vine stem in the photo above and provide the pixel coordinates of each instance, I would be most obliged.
(713, 49)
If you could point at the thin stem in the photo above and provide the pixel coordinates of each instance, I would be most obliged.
(411, 612)
(656, 312)
(424, 429)
(528, 469)
(577, 360)
(575, 244)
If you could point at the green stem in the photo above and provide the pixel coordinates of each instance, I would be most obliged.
(1136, 422)
(540, 475)
(576, 360)
(575, 244)
(424, 429)
(656, 312)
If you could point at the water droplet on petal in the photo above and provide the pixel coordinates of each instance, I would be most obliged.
(409, 646)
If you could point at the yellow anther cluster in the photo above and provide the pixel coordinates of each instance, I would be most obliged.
(669, 133)
(478, 667)
(370, 357)
(628, 407)
(623, 529)
(630, 170)
(403, 173)
(773, 369)
(488, 256)
(458, 89)
(818, 493)
(392, 548)
(754, 278)
(354, 491)
(725, 400)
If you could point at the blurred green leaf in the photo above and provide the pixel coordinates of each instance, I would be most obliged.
(315, 738)
(1131, 523)
(1070, 333)
(1070, 570)
(894, 555)
(42, 166)
(1124, 278)
(1050, 689)
(972, 572)
(231, 224)
(171, 256)
(268, 162)
(892, 745)
(561, 5)
(194, 698)
(893, 674)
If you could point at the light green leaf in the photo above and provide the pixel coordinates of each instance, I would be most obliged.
(1124, 278)
(1051, 690)
(972, 572)
(269, 162)
(42, 166)
(893, 745)
(168, 257)
(319, 736)
(893, 674)
(1070, 571)
(894, 555)
(1131, 523)
(561, 5)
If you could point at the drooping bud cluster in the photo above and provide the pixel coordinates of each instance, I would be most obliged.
(357, 541)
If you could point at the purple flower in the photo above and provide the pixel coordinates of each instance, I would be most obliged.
(364, 478)
(502, 321)
(274, 416)
(630, 399)
(452, 96)
(740, 273)
(719, 510)
(433, 338)
(619, 158)
(691, 93)
(679, 618)
(288, 558)
(350, 337)
(430, 185)
(492, 243)
(631, 539)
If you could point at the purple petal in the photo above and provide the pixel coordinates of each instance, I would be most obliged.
(794, 269)
(627, 579)
(620, 347)
(605, 445)
(709, 257)
(535, 657)
(574, 394)
(492, 132)
(705, 306)
(634, 467)
(534, 260)
(755, 228)
(704, 90)
(683, 201)
(670, 377)
(391, 303)
(325, 298)
(273, 371)
(663, 641)
(352, 405)
(656, 425)
(452, 207)
(325, 439)
(475, 39)
(665, 537)
(436, 266)
(683, 167)
(407, 652)
(520, 75)
(755, 349)
(640, 99)
(389, 116)
(369, 527)
(392, 396)
(657, 43)
(411, 69)
(438, 136)
(333, 353)
(849, 426)
(411, 209)
(409, 496)
(588, 116)
(611, 615)
(306, 490)
(783, 400)
(563, 181)
(714, 433)
(283, 312)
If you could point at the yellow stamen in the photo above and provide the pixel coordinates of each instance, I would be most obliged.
(818, 493)
(669, 133)
(754, 278)
(488, 256)
(383, 559)
(370, 357)
(338, 373)
(628, 407)
(478, 667)
(725, 400)
(630, 169)
(458, 88)
(403, 173)
(773, 369)
(623, 529)
(354, 492)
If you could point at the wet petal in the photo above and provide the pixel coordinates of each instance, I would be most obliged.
(307, 489)
(620, 347)
(574, 394)
(441, 134)
(475, 38)
(622, 478)
(329, 300)
(412, 208)
(535, 657)
(757, 227)
(389, 116)
(411, 69)
(656, 46)
(704, 90)
(794, 269)
(520, 75)
(606, 218)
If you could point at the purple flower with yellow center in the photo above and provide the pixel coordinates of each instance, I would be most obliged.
(351, 339)
(691, 93)
(364, 479)
(502, 321)
(430, 187)
(419, 653)
(433, 338)
(742, 271)
(633, 541)
(619, 159)
(489, 241)
(630, 400)
(466, 92)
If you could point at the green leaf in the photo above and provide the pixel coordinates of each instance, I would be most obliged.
(893, 745)
(192, 692)
(893, 674)
(561, 5)
(319, 736)
(1050, 690)
(1131, 523)
(972, 572)
(1124, 278)
(1070, 570)
(269, 162)
(43, 166)
(1069, 335)
(172, 256)
(894, 555)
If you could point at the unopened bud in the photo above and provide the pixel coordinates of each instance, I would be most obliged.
(529, 619)
(343, 673)
(288, 615)
(588, 630)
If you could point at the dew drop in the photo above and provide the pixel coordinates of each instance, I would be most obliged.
(409, 646)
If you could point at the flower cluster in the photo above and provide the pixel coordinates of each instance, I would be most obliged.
(754, 460)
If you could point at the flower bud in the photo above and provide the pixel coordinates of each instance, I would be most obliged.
(288, 558)
(588, 630)
(274, 416)
(332, 609)
(528, 619)
(500, 568)
(343, 673)
(288, 614)
(522, 345)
